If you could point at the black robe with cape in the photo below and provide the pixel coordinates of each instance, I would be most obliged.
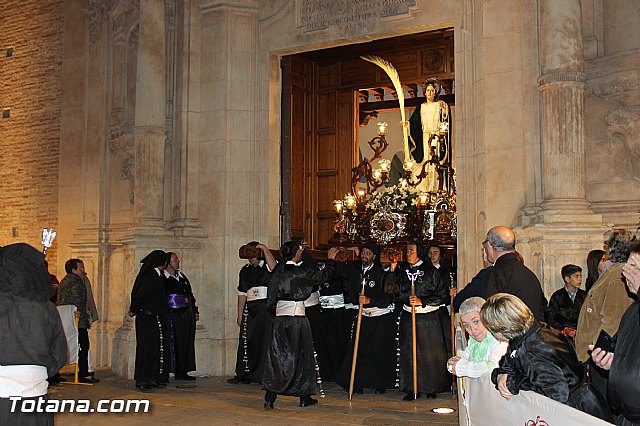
(290, 365)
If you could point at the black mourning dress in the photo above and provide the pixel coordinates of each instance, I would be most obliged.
(181, 323)
(149, 304)
(331, 332)
(290, 365)
(433, 333)
(255, 328)
(377, 346)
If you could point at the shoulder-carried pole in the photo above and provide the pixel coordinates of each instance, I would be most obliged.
(355, 344)
(413, 341)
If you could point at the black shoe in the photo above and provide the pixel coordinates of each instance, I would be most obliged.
(88, 379)
(268, 405)
(410, 397)
(185, 377)
(160, 385)
(145, 388)
(308, 401)
(432, 395)
(380, 391)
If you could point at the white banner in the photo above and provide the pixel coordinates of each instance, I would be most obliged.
(67, 315)
(480, 404)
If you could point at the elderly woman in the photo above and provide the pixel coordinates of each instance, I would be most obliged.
(484, 351)
(539, 359)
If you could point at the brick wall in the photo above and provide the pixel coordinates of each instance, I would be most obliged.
(30, 138)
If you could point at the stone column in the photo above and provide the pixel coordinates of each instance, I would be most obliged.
(149, 130)
(565, 229)
(562, 87)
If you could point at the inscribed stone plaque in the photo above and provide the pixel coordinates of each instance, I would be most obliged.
(347, 16)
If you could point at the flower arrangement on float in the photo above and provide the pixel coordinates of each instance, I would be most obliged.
(402, 198)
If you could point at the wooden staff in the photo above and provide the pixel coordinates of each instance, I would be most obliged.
(355, 344)
(413, 341)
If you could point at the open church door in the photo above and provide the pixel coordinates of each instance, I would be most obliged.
(318, 148)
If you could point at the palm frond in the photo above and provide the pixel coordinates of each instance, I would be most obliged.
(395, 79)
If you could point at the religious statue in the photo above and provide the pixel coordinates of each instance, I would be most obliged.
(429, 138)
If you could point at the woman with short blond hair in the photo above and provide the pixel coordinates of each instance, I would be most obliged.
(539, 358)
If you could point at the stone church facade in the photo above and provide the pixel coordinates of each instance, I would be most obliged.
(131, 125)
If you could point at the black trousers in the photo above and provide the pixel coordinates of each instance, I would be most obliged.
(83, 354)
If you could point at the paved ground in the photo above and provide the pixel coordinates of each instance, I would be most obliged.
(215, 402)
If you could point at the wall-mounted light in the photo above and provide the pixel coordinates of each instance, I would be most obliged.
(6, 112)
(9, 52)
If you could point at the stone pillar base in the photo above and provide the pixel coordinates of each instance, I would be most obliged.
(568, 211)
(546, 248)
(123, 359)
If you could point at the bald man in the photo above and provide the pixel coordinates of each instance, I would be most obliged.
(509, 275)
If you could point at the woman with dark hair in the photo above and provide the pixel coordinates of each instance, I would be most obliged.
(595, 266)
(439, 261)
(149, 306)
(539, 358)
(290, 365)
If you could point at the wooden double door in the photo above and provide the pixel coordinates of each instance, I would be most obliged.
(321, 96)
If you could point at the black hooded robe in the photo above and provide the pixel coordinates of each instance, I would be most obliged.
(30, 328)
(149, 304)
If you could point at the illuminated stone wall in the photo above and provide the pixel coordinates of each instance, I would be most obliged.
(30, 137)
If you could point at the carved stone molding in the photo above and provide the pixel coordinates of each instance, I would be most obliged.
(623, 123)
(122, 142)
(561, 77)
(127, 168)
(614, 76)
(95, 10)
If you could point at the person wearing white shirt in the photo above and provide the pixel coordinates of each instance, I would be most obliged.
(483, 352)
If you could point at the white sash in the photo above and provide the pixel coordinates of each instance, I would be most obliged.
(332, 302)
(376, 312)
(423, 309)
(256, 293)
(290, 308)
(23, 380)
